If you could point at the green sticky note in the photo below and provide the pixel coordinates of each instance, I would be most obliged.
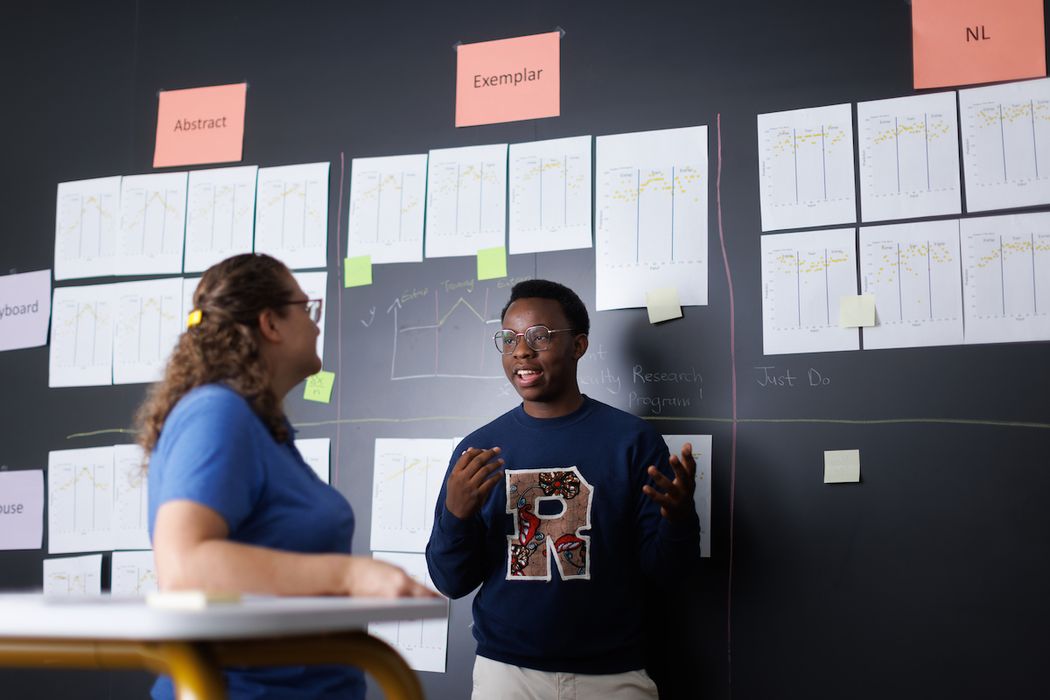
(357, 272)
(319, 387)
(492, 263)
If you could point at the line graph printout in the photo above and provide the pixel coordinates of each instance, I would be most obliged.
(914, 273)
(407, 475)
(550, 195)
(317, 453)
(806, 167)
(189, 286)
(87, 219)
(423, 643)
(315, 286)
(1006, 278)
(804, 276)
(1006, 145)
(909, 157)
(387, 201)
(152, 224)
(148, 323)
(80, 500)
(81, 352)
(130, 499)
(73, 577)
(220, 214)
(133, 574)
(702, 495)
(291, 214)
(466, 200)
(651, 231)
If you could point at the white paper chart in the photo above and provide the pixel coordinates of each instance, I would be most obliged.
(315, 286)
(702, 495)
(804, 276)
(81, 336)
(133, 574)
(130, 499)
(80, 500)
(909, 157)
(806, 167)
(466, 200)
(651, 231)
(189, 286)
(1006, 278)
(550, 195)
(220, 214)
(317, 453)
(1006, 145)
(423, 643)
(87, 218)
(407, 475)
(291, 214)
(73, 577)
(152, 224)
(914, 273)
(149, 321)
(387, 201)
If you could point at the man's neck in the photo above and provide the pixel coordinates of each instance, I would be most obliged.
(553, 409)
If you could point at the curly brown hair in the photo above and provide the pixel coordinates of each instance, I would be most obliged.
(224, 347)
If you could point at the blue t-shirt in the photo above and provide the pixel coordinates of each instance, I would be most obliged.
(213, 450)
(568, 550)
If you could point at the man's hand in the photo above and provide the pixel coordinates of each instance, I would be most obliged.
(472, 479)
(675, 498)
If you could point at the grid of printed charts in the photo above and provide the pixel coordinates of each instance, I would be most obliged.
(935, 277)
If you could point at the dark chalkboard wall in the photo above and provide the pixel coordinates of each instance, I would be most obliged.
(928, 579)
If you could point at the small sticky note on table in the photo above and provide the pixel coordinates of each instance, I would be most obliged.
(357, 271)
(841, 466)
(492, 263)
(857, 311)
(319, 387)
(663, 304)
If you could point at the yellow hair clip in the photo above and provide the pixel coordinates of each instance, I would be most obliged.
(194, 318)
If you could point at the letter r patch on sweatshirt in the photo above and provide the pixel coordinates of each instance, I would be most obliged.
(537, 536)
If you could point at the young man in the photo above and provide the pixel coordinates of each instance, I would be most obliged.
(568, 514)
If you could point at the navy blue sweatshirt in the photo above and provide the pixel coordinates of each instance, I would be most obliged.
(554, 596)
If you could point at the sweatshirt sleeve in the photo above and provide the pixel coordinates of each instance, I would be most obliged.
(455, 551)
(665, 548)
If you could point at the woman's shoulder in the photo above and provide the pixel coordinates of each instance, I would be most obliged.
(216, 404)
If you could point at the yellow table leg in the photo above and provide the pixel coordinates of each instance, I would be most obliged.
(191, 667)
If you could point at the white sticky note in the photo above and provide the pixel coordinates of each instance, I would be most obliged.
(22, 509)
(663, 304)
(25, 309)
(856, 311)
(841, 466)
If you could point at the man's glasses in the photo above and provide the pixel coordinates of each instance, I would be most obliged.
(536, 337)
(312, 306)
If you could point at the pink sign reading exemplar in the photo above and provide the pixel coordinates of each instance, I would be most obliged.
(508, 80)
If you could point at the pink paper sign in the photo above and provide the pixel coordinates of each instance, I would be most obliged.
(200, 125)
(508, 80)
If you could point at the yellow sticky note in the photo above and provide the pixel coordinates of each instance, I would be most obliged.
(357, 272)
(319, 387)
(841, 466)
(856, 311)
(663, 304)
(200, 125)
(492, 263)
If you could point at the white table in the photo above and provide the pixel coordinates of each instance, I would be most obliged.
(193, 645)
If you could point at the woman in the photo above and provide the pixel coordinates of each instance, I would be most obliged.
(233, 506)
